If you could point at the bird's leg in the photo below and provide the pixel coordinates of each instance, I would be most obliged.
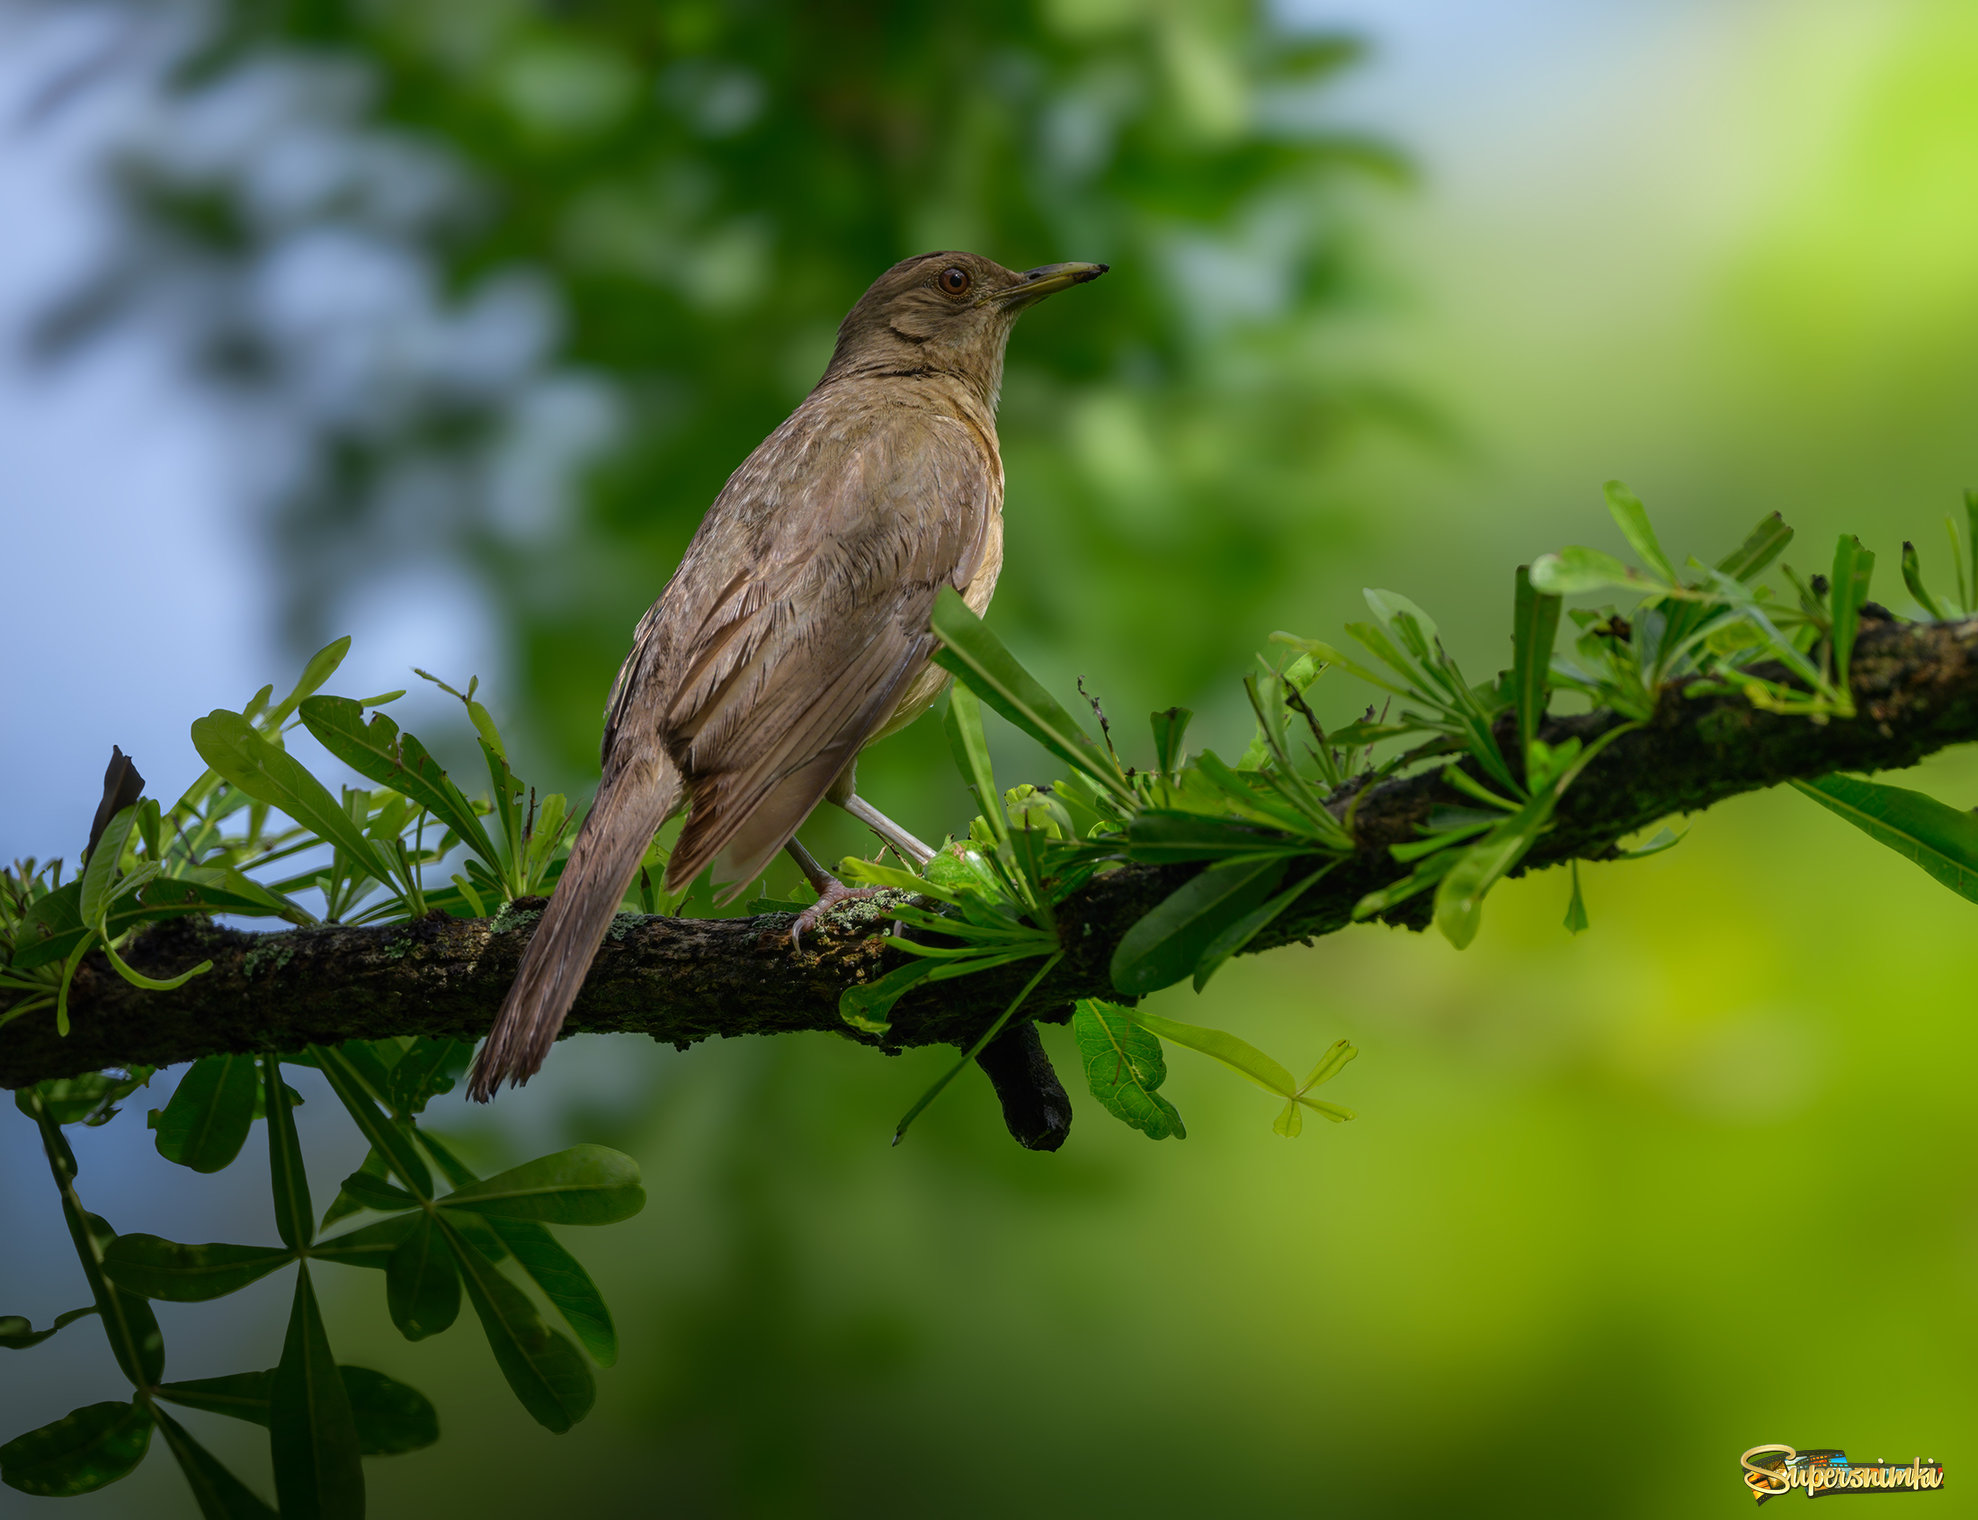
(830, 891)
(844, 793)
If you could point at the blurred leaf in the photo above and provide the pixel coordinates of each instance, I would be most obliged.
(188, 1274)
(1170, 729)
(1912, 577)
(1853, 568)
(1632, 519)
(1124, 1067)
(586, 1184)
(372, 1192)
(219, 1494)
(1165, 945)
(547, 1373)
(379, 752)
(17, 1333)
(1576, 906)
(1761, 546)
(390, 1417)
(422, 1284)
(288, 1178)
(85, 1450)
(312, 1433)
(1943, 840)
(231, 746)
(977, 656)
(206, 1121)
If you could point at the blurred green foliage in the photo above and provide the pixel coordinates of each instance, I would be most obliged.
(663, 211)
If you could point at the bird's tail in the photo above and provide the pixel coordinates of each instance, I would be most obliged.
(632, 802)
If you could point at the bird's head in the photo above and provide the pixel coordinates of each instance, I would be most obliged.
(944, 313)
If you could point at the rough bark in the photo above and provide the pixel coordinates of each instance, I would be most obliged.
(681, 980)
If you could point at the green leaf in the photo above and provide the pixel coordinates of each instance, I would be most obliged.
(312, 1433)
(970, 748)
(981, 1042)
(1160, 837)
(219, 1494)
(1575, 571)
(390, 1416)
(205, 1123)
(564, 1282)
(369, 1192)
(1761, 546)
(87, 1449)
(1912, 577)
(1853, 567)
(322, 665)
(1632, 519)
(1576, 907)
(586, 1184)
(1460, 893)
(240, 754)
(390, 1139)
(52, 927)
(547, 1373)
(1535, 628)
(1943, 840)
(294, 1217)
(379, 752)
(1232, 940)
(1170, 728)
(218, 889)
(371, 1246)
(422, 1284)
(1124, 1067)
(187, 1274)
(1165, 945)
(17, 1333)
(344, 1205)
(428, 1068)
(1237, 1054)
(978, 657)
(866, 1005)
(100, 874)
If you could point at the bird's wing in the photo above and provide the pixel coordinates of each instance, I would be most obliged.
(805, 650)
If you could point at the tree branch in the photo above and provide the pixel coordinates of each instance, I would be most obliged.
(682, 980)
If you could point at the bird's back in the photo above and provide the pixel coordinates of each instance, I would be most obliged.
(797, 621)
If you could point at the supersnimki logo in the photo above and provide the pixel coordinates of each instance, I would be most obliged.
(1770, 1471)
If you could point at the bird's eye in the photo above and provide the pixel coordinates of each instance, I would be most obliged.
(955, 281)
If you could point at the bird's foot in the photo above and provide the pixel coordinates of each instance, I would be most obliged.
(833, 893)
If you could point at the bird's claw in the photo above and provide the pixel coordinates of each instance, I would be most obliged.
(835, 892)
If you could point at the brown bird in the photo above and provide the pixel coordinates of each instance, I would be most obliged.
(795, 631)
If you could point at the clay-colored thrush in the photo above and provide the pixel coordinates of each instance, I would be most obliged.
(795, 631)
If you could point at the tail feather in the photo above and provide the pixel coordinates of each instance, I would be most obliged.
(631, 804)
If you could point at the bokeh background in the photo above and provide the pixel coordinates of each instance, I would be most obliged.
(439, 324)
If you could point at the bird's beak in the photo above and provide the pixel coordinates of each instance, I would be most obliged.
(1048, 279)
